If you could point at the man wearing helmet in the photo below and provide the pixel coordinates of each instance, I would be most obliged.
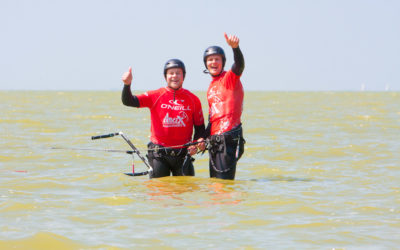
(174, 112)
(225, 100)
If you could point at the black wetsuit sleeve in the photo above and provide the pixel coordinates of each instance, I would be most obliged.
(128, 99)
(238, 66)
(207, 132)
(199, 132)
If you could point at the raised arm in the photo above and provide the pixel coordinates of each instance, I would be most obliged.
(238, 65)
(127, 98)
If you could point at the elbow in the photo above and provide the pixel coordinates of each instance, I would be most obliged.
(123, 101)
(241, 69)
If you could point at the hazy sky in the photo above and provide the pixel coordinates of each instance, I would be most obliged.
(287, 45)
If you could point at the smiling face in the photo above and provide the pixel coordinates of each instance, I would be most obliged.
(214, 64)
(174, 77)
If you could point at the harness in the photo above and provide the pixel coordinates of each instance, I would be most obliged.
(218, 143)
(159, 151)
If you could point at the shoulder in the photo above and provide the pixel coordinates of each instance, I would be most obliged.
(187, 92)
(230, 80)
(190, 94)
(159, 91)
(224, 76)
(231, 74)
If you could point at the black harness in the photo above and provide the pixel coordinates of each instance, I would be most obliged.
(218, 144)
(159, 151)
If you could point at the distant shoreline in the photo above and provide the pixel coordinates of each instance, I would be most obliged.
(141, 91)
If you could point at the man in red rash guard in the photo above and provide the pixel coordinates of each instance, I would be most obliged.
(174, 112)
(225, 99)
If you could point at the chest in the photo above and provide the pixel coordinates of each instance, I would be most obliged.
(171, 103)
(215, 90)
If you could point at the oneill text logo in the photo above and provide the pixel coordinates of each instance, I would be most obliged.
(174, 107)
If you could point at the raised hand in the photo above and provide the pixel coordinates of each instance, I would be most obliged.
(232, 40)
(127, 77)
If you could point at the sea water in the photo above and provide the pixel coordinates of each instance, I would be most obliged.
(321, 170)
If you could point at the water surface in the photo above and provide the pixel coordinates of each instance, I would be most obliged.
(321, 170)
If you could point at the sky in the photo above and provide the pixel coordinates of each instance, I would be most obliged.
(288, 45)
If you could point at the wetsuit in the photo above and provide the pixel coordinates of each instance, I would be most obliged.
(174, 113)
(225, 99)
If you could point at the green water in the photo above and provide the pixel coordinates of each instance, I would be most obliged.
(321, 170)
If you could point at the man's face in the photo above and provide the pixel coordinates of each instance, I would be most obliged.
(174, 78)
(214, 64)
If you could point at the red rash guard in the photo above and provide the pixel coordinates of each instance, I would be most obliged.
(225, 101)
(172, 121)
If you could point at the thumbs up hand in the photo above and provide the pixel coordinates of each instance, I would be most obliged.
(232, 40)
(127, 77)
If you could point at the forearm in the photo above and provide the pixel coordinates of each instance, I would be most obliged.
(207, 131)
(238, 66)
(128, 99)
(199, 132)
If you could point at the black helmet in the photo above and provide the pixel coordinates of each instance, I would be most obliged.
(174, 63)
(214, 50)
